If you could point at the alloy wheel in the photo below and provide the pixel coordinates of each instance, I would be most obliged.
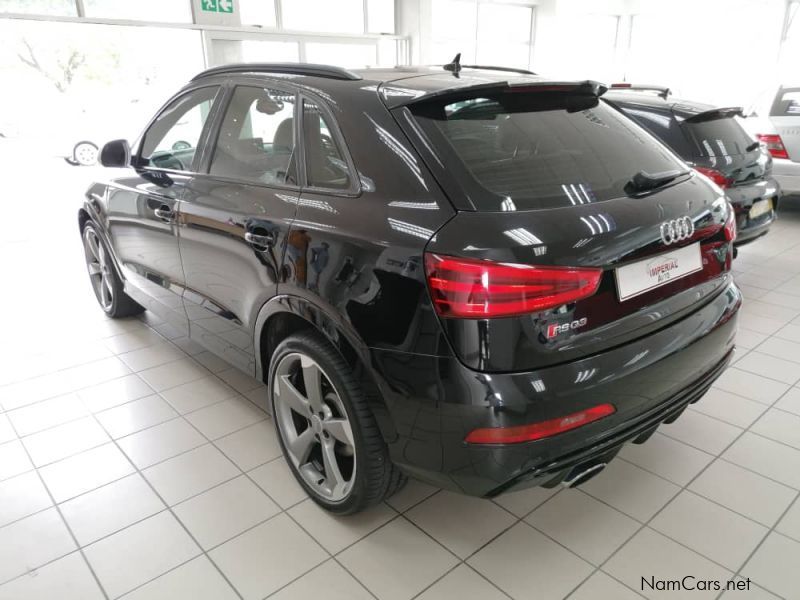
(85, 154)
(97, 263)
(314, 427)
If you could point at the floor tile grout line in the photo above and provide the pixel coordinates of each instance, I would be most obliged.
(761, 543)
(658, 512)
(66, 526)
(174, 516)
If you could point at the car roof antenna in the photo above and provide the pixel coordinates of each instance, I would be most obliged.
(455, 65)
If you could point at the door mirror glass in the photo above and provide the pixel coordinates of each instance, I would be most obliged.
(171, 140)
(116, 153)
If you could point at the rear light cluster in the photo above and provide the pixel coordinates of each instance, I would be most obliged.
(538, 431)
(730, 225)
(715, 176)
(774, 144)
(480, 289)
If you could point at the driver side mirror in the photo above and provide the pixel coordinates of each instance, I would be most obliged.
(116, 153)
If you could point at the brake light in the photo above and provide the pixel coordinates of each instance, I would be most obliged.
(538, 431)
(715, 176)
(774, 144)
(481, 289)
(730, 225)
(620, 85)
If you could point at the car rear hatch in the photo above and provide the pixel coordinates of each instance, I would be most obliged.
(785, 118)
(577, 231)
(720, 146)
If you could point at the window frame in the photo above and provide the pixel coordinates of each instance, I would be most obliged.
(230, 86)
(333, 126)
(202, 140)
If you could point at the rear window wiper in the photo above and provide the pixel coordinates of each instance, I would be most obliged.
(645, 182)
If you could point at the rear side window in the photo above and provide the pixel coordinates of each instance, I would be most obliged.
(717, 137)
(663, 126)
(326, 166)
(535, 150)
(787, 103)
(256, 139)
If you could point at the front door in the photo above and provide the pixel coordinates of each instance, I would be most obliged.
(234, 218)
(143, 207)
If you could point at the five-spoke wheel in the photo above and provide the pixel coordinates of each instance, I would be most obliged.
(314, 425)
(99, 268)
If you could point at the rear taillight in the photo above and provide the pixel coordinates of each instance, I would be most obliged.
(481, 289)
(730, 225)
(715, 176)
(774, 144)
(538, 431)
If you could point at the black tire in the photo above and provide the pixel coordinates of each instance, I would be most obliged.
(121, 304)
(376, 477)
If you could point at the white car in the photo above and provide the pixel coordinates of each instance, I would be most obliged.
(774, 119)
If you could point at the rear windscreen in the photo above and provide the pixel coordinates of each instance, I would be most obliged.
(718, 137)
(787, 103)
(517, 151)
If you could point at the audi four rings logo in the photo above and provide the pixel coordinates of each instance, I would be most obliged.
(676, 230)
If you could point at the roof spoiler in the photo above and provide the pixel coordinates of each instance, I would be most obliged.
(661, 90)
(581, 88)
(716, 113)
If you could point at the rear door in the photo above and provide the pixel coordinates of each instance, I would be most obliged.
(142, 207)
(785, 117)
(235, 216)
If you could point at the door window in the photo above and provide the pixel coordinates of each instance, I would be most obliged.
(256, 140)
(172, 139)
(326, 166)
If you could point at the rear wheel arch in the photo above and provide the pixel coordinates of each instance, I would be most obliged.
(286, 315)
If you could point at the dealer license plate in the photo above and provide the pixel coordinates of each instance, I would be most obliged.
(650, 273)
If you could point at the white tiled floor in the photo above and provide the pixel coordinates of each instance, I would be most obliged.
(133, 464)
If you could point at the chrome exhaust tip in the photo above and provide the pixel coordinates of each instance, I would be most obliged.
(580, 474)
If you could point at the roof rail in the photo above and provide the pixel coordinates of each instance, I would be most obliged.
(663, 91)
(310, 70)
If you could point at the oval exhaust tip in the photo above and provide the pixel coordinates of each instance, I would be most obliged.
(580, 475)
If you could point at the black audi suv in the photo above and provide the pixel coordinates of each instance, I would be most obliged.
(481, 278)
(711, 140)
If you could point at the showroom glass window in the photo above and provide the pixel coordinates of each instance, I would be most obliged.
(256, 140)
(326, 165)
(171, 140)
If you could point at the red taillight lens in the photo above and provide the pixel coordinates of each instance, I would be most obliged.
(774, 144)
(715, 176)
(538, 431)
(481, 289)
(730, 225)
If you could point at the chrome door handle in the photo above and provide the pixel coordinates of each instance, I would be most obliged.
(164, 213)
(259, 240)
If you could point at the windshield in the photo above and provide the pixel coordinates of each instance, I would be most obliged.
(537, 150)
(718, 137)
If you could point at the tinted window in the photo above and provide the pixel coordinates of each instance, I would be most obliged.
(543, 149)
(172, 139)
(326, 166)
(256, 139)
(787, 103)
(663, 126)
(718, 137)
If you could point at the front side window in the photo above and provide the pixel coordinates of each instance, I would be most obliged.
(172, 139)
(256, 140)
(326, 166)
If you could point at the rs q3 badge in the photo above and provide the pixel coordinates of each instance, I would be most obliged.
(556, 329)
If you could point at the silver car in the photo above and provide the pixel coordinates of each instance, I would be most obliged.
(774, 119)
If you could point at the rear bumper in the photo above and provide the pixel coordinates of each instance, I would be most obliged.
(435, 402)
(743, 197)
(787, 174)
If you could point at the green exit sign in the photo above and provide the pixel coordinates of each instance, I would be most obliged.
(219, 6)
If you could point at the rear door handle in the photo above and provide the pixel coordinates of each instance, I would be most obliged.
(263, 241)
(164, 213)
